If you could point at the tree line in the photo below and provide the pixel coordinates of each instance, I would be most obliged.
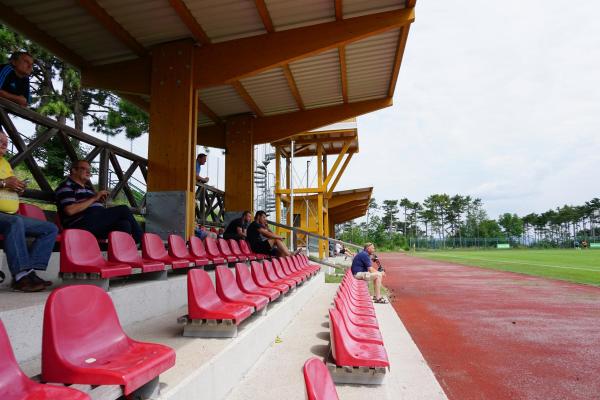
(459, 219)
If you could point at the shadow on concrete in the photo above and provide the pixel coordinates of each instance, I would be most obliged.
(320, 350)
(323, 335)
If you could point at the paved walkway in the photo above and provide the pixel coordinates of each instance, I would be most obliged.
(278, 373)
(499, 335)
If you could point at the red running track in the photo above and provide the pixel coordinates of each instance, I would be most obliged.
(499, 335)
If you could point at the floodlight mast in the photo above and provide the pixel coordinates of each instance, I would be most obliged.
(291, 222)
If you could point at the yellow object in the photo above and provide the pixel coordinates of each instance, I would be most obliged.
(9, 200)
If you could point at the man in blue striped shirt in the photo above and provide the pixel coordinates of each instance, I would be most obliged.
(81, 207)
(14, 78)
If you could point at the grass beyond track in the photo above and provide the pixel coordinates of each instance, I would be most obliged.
(582, 266)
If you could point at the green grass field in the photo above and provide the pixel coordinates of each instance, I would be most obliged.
(582, 266)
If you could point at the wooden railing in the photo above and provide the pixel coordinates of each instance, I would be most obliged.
(26, 143)
(210, 205)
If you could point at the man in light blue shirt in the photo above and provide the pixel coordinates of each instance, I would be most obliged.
(200, 161)
(363, 269)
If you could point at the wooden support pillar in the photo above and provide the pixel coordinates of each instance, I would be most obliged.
(172, 140)
(239, 164)
(320, 204)
(277, 188)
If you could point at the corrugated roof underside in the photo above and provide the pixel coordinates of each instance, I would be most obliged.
(148, 21)
(369, 64)
(227, 19)
(74, 27)
(288, 14)
(271, 92)
(204, 120)
(224, 100)
(355, 8)
(318, 79)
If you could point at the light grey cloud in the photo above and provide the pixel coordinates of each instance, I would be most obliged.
(495, 101)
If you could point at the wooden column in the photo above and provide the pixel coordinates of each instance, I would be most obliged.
(277, 188)
(320, 204)
(239, 164)
(172, 140)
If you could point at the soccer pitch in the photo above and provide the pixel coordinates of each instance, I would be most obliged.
(582, 266)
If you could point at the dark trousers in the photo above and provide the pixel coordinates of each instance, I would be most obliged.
(101, 221)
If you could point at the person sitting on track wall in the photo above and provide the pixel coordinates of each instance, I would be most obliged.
(22, 261)
(80, 207)
(363, 269)
(262, 240)
(237, 227)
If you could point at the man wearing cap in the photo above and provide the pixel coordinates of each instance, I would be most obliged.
(262, 240)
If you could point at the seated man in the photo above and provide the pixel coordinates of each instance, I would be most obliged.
(262, 240)
(80, 207)
(14, 78)
(362, 268)
(237, 227)
(22, 260)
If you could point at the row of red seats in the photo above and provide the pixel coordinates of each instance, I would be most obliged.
(80, 253)
(236, 297)
(83, 343)
(355, 337)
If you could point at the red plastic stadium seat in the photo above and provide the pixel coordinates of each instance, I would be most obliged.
(15, 385)
(213, 250)
(245, 248)
(79, 252)
(226, 251)
(272, 276)
(235, 249)
(179, 250)
(83, 343)
(244, 280)
(281, 274)
(348, 352)
(360, 320)
(229, 291)
(289, 268)
(154, 249)
(33, 211)
(197, 249)
(319, 385)
(203, 302)
(122, 249)
(356, 309)
(362, 333)
(261, 280)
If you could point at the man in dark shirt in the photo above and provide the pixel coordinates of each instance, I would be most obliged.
(363, 269)
(14, 78)
(237, 228)
(80, 207)
(262, 240)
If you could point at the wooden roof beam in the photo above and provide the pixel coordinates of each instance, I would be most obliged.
(293, 87)
(189, 21)
(106, 20)
(18, 23)
(202, 107)
(241, 90)
(276, 127)
(261, 7)
(398, 59)
(343, 73)
(226, 62)
(110, 77)
(339, 10)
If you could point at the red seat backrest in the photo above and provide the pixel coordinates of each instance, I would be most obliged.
(258, 273)
(201, 292)
(319, 385)
(197, 247)
(153, 247)
(122, 248)
(225, 283)
(211, 247)
(224, 246)
(235, 248)
(11, 376)
(177, 247)
(32, 211)
(244, 278)
(81, 248)
(79, 320)
(245, 248)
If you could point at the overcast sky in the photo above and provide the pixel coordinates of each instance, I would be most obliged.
(493, 100)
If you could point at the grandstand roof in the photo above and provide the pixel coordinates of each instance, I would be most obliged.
(347, 205)
(357, 48)
(333, 138)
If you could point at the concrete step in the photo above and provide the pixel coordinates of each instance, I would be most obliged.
(278, 373)
(211, 368)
